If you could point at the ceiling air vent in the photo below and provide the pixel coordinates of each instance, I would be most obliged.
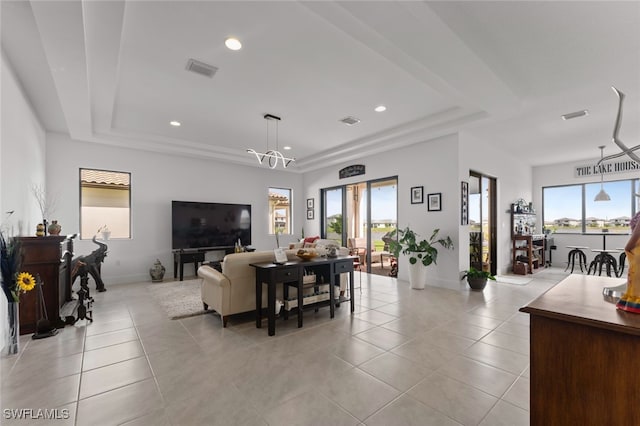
(201, 68)
(350, 121)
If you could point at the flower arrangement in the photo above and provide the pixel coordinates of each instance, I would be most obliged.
(13, 281)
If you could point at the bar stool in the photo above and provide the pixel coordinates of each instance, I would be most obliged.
(576, 251)
(604, 258)
(621, 261)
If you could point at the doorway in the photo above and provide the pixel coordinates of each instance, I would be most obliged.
(361, 216)
(482, 222)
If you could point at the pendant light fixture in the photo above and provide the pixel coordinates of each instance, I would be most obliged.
(602, 195)
(272, 155)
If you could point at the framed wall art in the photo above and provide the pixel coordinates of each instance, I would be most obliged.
(310, 203)
(434, 202)
(309, 214)
(417, 196)
(464, 203)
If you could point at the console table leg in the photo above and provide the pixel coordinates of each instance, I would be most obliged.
(300, 301)
(332, 295)
(258, 302)
(271, 308)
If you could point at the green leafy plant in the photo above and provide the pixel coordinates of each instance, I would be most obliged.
(475, 273)
(423, 251)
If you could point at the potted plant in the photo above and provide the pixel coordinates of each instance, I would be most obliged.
(476, 278)
(421, 253)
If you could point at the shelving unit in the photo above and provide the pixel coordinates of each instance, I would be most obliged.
(533, 246)
(526, 245)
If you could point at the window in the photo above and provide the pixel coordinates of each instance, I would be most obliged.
(562, 208)
(105, 203)
(571, 209)
(279, 211)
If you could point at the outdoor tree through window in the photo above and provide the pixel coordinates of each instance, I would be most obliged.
(105, 203)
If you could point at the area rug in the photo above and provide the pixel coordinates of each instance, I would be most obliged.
(179, 299)
(513, 280)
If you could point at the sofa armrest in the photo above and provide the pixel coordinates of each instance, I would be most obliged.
(212, 276)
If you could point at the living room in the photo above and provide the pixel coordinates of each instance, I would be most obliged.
(436, 149)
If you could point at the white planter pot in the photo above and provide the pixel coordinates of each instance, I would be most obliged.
(417, 275)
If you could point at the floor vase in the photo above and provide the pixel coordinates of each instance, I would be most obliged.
(417, 275)
(12, 345)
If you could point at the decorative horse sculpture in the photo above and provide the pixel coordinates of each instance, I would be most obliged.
(85, 301)
(93, 262)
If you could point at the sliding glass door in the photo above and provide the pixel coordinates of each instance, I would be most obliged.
(482, 222)
(361, 216)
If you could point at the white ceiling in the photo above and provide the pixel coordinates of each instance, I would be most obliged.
(114, 72)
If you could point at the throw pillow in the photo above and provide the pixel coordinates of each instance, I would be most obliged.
(311, 239)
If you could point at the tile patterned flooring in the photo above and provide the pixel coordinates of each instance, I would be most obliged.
(406, 357)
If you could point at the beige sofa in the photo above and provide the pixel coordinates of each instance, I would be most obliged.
(234, 290)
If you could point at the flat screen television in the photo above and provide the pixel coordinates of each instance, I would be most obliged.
(209, 225)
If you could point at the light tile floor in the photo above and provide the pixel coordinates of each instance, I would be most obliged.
(406, 357)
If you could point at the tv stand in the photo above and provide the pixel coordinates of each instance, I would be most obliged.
(196, 255)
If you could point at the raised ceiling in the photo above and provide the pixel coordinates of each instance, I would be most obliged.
(114, 72)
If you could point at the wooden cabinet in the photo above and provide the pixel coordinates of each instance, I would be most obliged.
(583, 356)
(44, 256)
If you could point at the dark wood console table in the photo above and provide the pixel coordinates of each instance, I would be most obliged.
(291, 273)
(195, 256)
(583, 356)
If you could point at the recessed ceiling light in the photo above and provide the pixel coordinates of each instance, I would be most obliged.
(175, 123)
(575, 114)
(286, 148)
(233, 43)
(380, 108)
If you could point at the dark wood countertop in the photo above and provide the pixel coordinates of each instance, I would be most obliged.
(578, 299)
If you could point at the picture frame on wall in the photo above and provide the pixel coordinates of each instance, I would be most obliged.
(464, 203)
(434, 202)
(310, 203)
(310, 214)
(417, 194)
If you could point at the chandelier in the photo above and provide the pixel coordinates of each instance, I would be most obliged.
(272, 156)
(616, 130)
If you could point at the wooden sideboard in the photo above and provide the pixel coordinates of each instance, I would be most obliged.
(44, 256)
(584, 356)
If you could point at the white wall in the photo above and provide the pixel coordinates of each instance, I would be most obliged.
(513, 179)
(439, 165)
(563, 174)
(432, 164)
(156, 180)
(22, 164)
